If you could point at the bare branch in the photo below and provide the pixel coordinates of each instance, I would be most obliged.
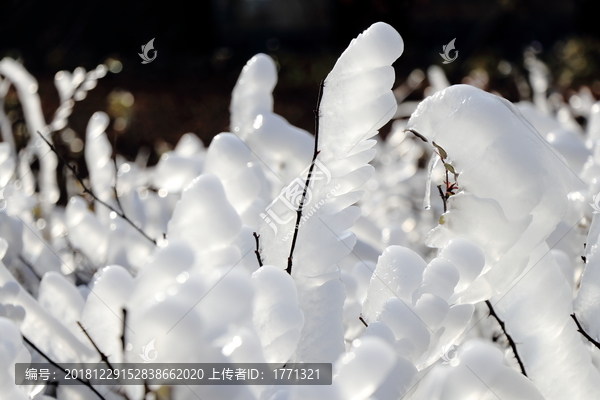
(257, 251)
(28, 265)
(91, 193)
(123, 334)
(417, 134)
(86, 383)
(103, 356)
(511, 342)
(443, 196)
(584, 333)
(363, 321)
(310, 171)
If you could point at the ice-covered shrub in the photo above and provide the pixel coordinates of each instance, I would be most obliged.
(273, 245)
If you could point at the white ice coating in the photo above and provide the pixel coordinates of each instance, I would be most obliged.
(44, 330)
(282, 150)
(102, 315)
(89, 235)
(12, 351)
(513, 185)
(27, 89)
(176, 169)
(587, 303)
(537, 311)
(98, 157)
(413, 299)
(205, 220)
(478, 373)
(356, 102)
(277, 317)
(244, 181)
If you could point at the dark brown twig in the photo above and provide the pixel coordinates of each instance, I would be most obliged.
(103, 356)
(417, 134)
(363, 321)
(511, 342)
(116, 193)
(310, 171)
(584, 333)
(28, 265)
(443, 196)
(86, 383)
(91, 193)
(257, 251)
(123, 334)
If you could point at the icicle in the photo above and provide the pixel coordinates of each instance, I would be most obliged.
(432, 163)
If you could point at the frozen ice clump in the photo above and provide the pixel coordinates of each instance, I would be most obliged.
(12, 351)
(252, 93)
(98, 156)
(587, 303)
(243, 179)
(87, 233)
(206, 221)
(509, 177)
(413, 299)
(103, 312)
(363, 368)
(7, 166)
(61, 299)
(399, 273)
(283, 150)
(478, 373)
(537, 311)
(277, 316)
(176, 169)
(467, 257)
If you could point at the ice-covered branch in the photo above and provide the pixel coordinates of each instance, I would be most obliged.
(511, 342)
(89, 191)
(257, 251)
(84, 382)
(584, 333)
(308, 180)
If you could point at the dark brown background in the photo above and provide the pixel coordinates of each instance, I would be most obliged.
(203, 45)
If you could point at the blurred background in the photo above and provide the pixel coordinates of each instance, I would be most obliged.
(203, 45)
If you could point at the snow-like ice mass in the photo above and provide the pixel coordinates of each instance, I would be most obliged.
(514, 185)
(231, 254)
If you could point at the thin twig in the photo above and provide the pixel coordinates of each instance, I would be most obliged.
(417, 134)
(30, 267)
(511, 342)
(257, 251)
(114, 157)
(123, 334)
(91, 193)
(103, 356)
(584, 333)
(310, 171)
(86, 383)
(117, 193)
(363, 321)
(443, 196)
